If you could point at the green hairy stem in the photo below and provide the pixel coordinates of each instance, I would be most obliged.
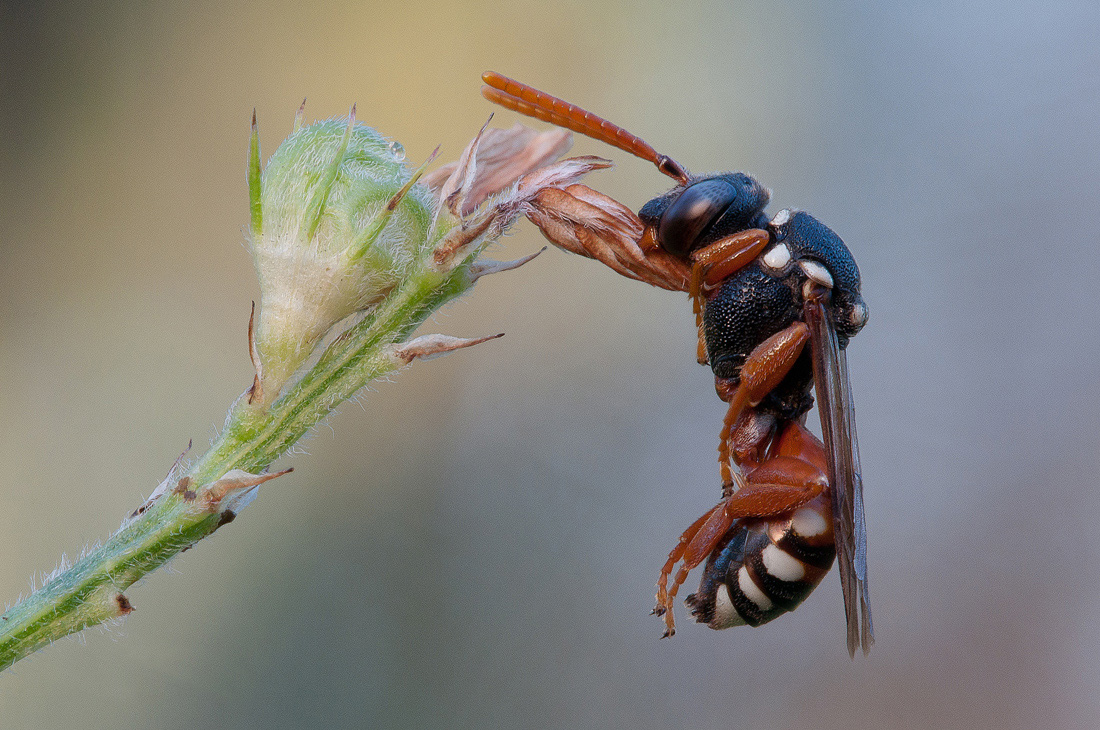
(91, 591)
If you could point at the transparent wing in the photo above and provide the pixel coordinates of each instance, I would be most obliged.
(838, 427)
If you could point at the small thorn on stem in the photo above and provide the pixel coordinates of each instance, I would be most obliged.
(237, 481)
(426, 347)
(176, 463)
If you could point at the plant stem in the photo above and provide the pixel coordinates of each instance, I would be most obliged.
(90, 591)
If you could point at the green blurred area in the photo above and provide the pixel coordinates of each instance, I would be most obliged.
(476, 545)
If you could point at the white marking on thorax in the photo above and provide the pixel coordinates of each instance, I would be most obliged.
(859, 316)
(817, 272)
(777, 257)
(781, 217)
(783, 565)
(752, 591)
(725, 615)
(808, 522)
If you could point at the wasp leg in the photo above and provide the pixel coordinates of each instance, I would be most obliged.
(779, 486)
(701, 348)
(714, 263)
(695, 545)
(764, 369)
(752, 431)
(664, 605)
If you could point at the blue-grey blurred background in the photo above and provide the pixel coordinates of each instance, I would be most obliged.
(476, 546)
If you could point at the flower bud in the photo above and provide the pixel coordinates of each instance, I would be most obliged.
(336, 225)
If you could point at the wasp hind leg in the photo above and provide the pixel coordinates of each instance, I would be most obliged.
(777, 487)
(695, 544)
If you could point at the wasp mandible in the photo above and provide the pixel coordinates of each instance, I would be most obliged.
(776, 302)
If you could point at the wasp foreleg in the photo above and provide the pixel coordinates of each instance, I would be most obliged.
(713, 263)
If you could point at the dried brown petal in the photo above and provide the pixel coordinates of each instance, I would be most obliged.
(460, 175)
(491, 220)
(559, 175)
(495, 159)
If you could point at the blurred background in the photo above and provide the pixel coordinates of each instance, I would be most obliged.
(477, 545)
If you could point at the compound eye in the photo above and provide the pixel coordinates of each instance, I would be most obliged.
(692, 213)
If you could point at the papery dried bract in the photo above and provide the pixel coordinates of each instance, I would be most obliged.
(495, 159)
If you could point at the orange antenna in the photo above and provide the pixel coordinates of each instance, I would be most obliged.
(519, 97)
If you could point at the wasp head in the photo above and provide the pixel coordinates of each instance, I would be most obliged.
(704, 210)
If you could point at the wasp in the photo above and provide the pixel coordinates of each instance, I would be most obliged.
(776, 302)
